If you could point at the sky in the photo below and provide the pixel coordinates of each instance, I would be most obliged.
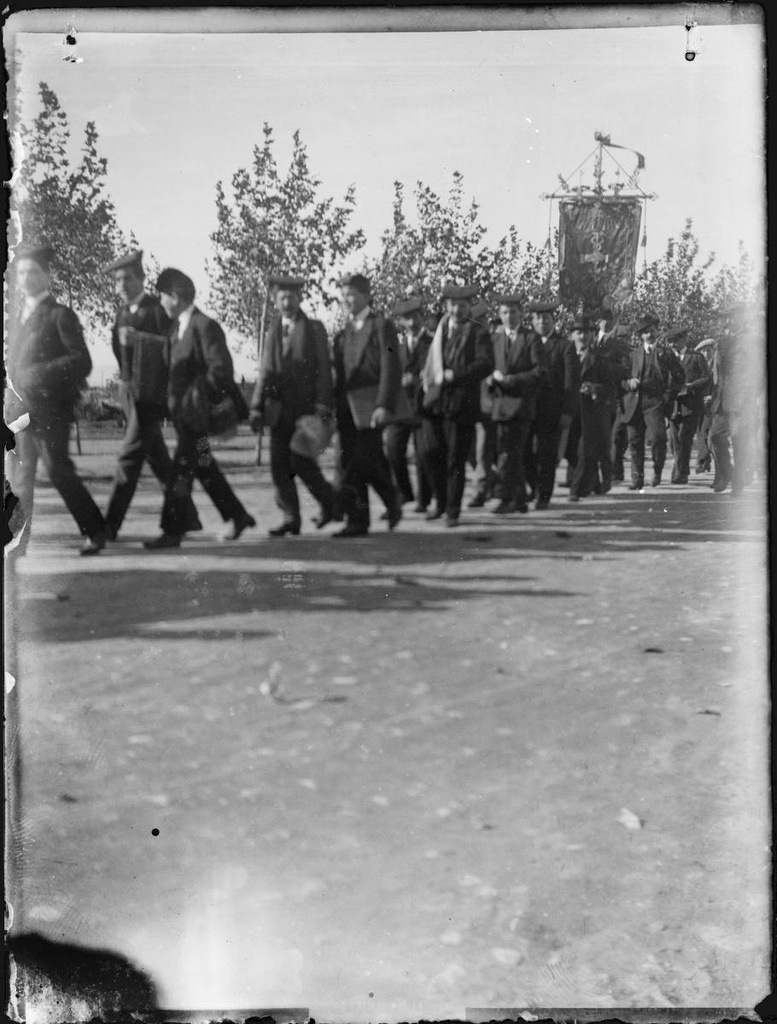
(510, 110)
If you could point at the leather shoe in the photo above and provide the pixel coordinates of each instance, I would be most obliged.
(284, 528)
(434, 513)
(656, 481)
(451, 521)
(419, 508)
(720, 485)
(542, 504)
(94, 545)
(234, 528)
(477, 502)
(503, 508)
(636, 485)
(573, 497)
(351, 531)
(164, 540)
(393, 516)
(329, 514)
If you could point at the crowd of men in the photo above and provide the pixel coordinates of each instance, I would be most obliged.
(510, 396)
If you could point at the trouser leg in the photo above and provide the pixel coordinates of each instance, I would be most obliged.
(548, 432)
(655, 430)
(193, 458)
(395, 439)
(424, 488)
(282, 473)
(719, 444)
(636, 438)
(458, 438)
(511, 469)
(435, 449)
(53, 437)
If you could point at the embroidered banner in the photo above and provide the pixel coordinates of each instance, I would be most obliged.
(598, 243)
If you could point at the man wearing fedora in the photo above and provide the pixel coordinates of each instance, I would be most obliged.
(688, 409)
(295, 380)
(367, 379)
(656, 376)
(460, 358)
(47, 365)
(198, 353)
(555, 402)
(589, 433)
(415, 340)
(512, 386)
(144, 399)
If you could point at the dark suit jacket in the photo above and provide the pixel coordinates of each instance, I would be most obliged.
(202, 349)
(514, 397)
(368, 358)
(471, 359)
(302, 378)
(556, 392)
(698, 378)
(593, 413)
(413, 365)
(48, 361)
(149, 317)
(661, 377)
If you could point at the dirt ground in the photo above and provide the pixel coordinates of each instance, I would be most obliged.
(520, 764)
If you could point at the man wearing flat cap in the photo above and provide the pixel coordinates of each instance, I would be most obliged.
(295, 380)
(199, 361)
(459, 359)
(368, 377)
(688, 409)
(555, 402)
(656, 376)
(139, 339)
(512, 387)
(47, 365)
(414, 342)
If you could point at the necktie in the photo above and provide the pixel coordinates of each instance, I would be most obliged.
(286, 336)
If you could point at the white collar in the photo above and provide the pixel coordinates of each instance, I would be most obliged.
(183, 319)
(358, 320)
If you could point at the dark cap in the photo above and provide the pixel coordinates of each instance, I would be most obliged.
(459, 291)
(676, 332)
(172, 280)
(43, 255)
(543, 306)
(480, 309)
(648, 321)
(513, 299)
(581, 323)
(286, 282)
(357, 281)
(132, 259)
(407, 307)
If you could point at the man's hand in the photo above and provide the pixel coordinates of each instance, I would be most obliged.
(380, 417)
(407, 379)
(255, 421)
(632, 383)
(448, 376)
(497, 376)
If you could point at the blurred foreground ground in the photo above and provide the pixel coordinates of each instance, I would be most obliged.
(523, 763)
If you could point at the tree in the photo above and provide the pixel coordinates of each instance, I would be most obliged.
(68, 208)
(446, 242)
(681, 289)
(274, 223)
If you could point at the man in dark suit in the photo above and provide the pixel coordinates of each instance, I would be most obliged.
(656, 377)
(140, 321)
(414, 342)
(513, 387)
(47, 366)
(368, 377)
(688, 409)
(198, 353)
(589, 433)
(459, 359)
(295, 380)
(555, 403)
